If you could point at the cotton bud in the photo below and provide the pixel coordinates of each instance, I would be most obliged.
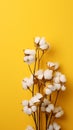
(63, 88)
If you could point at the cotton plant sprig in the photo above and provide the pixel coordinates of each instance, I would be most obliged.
(45, 82)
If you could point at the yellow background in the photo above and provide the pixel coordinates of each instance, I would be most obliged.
(20, 22)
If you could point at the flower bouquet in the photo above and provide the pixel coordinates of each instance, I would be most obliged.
(43, 84)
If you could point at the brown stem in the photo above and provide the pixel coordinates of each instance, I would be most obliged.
(30, 69)
(51, 114)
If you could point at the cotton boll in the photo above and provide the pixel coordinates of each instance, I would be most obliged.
(29, 59)
(58, 74)
(63, 78)
(48, 74)
(42, 41)
(31, 102)
(29, 111)
(34, 108)
(25, 109)
(29, 128)
(56, 79)
(58, 86)
(39, 95)
(63, 88)
(53, 64)
(57, 109)
(51, 106)
(24, 85)
(44, 46)
(43, 109)
(50, 127)
(50, 64)
(56, 126)
(48, 91)
(25, 103)
(46, 101)
(48, 109)
(39, 74)
(59, 114)
(56, 66)
(29, 52)
(37, 40)
(51, 87)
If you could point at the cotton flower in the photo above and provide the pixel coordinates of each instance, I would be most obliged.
(29, 56)
(41, 43)
(48, 74)
(51, 87)
(29, 52)
(27, 110)
(25, 103)
(44, 104)
(50, 127)
(29, 128)
(44, 47)
(39, 74)
(56, 126)
(53, 65)
(47, 91)
(59, 78)
(57, 86)
(50, 108)
(58, 112)
(63, 78)
(37, 40)
(57, 109)
(35, 99)
(34, 108)
(29, 59)
(27, 82)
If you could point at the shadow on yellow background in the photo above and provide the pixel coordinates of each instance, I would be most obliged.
(20, 22)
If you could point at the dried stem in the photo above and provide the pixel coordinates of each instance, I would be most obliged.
(51, 114)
